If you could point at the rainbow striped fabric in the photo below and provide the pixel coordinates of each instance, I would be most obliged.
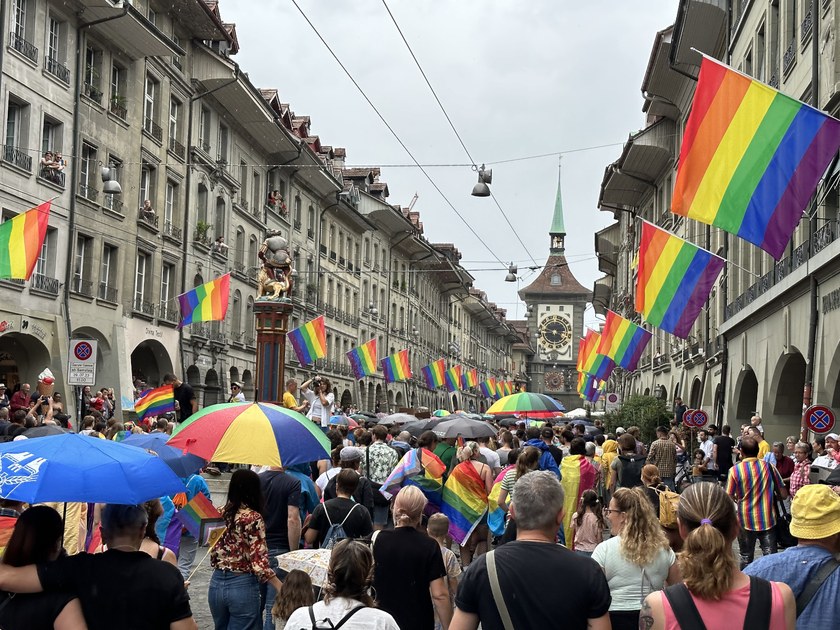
(453, 379)
(470, 378)
(464, 501)
(674, 280)
(598, 365)
(589, 387)
(751, 157)
(623, 341)
(155, 402)
(577, 474)
(434, 374)
(488, 388)
(207, 302)
(419, 467)
(200, 517)
(310, 341)
(500, 389)
(508, 388)
(21, 240)
(753, 483)
(396, 367)
(363, 359)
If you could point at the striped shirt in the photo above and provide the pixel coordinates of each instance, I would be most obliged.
(753, 484)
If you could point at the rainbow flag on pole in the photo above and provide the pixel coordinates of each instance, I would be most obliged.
(464, 501)
(623, 341)
(453, 379)
(588, 387)
(396, 367)
(155, 402)
(21, 240)
(488, 388)
(751, 157)
(309, 341)
(363, 359)
(207, 302)
(434, 374)
(471, 378)
(674, 281)
(201, 518)
(598, 365)
(500, 389)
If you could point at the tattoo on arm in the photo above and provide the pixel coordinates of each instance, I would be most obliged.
(645, 616)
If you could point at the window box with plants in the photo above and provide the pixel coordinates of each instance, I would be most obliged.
(201, 233)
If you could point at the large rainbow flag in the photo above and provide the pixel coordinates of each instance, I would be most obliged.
(589, 387)
(205, 303)
(623, 341)
(464, 501)
(155, 402)
(21, 240)
(396, 367)
(363, 359)
(434, 374)
(674, 280)
(310, 341)
(751, 157)
(488, 388)
(453, 378)
(419, 467)
(576, 475)
(598, 365)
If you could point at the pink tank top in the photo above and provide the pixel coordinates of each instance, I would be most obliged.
(729, 611)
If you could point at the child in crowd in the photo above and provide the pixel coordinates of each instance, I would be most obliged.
(295, 593)
(699, 467)
(588, 524)
(438, 528)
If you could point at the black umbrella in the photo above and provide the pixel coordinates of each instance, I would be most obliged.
(417, 427)
(44, 430)
(509, 422)
(464, 427)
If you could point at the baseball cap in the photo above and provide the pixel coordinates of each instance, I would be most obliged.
(350, 453)
(620, 430)
(833, 436)
(815, 512)
(2, 385)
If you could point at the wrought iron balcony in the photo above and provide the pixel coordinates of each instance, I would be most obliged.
(112, 203)
(239, 267)
(45, 284)
(218, 336)
(57, 69)
(250, 340)
(172, 231)
(144, 307)
(149, 219)
(117, 109)
(23, 47)
(790, 57)
(52, 175)
(88, 192)
(200, 330)
(107, 293)
(774, 81)
(297, 225)
(153, 129)
(81, 286)
(807, 25)
(823, 237)
(15, 156)
(167, 313)
(92, 92)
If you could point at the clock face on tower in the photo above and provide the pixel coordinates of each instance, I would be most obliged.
(555, 333)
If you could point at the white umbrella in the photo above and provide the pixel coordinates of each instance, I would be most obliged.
(576, 413)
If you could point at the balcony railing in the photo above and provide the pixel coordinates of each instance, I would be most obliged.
(172, 231)
(109, 294)
(167, 313)
(112, 203)
(200, 330)
(92, 92)
(774, 81)
(239, 267)
(310, 233)
(218, 336)
(45, 284)
(153, 129)
(807, 25)
(790, 57)
(297, 225)
(88, 192)
(23, 47)
(81, 286)
(250, 340)
(52, 175)
(149, 219)
(823, 237)
(118, 109)
(15, 156)
(57, 69)
(144, 307)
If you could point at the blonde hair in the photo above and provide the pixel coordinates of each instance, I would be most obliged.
(468, 451)
(409, 506)
(438, 526)
(707, 561)
(641, 536)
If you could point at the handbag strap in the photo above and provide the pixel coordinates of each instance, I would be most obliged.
(496, 587)
(814, 584)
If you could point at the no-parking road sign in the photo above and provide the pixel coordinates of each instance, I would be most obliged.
(688, 420)
(699, 418)
(820, 418)
(81, 368)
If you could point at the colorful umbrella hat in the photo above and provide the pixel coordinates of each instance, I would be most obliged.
(440, 413)
(526, 402)
(251, 433)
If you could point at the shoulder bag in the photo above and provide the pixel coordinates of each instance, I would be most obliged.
(496, 588)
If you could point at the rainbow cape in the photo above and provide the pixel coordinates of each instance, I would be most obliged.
(310, 341)
(593, 363)
(623, 341)
(363, 359)
(396, 367)
(488, 388)
(155, 402)
(21, 240)
(496, 516)
(418, 467)
(576, 475)
(433, 373)
(674, 281)
(464, 501)
(453, 378)
(201, 519)
(205, 303)
(751, 157)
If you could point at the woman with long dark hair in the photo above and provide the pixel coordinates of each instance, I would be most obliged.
(240, 558)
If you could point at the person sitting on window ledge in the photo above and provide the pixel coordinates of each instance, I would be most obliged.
(147, 212)
(49, 167)
(273, 196)
(220, 246)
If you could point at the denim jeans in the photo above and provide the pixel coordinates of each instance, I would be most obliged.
(234, 600)
(267, 592)
(746, 544)
(186, 555)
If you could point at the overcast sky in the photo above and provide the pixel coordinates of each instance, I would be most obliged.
(517, 78)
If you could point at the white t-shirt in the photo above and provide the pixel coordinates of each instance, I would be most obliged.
(628, 585)
(364, 619)
(708, 448)
(825, 461)
(491, 456)
(316, 409)
(324, 478)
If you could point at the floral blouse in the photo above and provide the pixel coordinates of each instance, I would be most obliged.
(242, 548)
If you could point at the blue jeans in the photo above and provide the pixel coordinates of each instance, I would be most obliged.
(267, 591)
(234, 600)
(186, 555)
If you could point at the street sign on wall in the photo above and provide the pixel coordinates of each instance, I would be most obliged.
(81, 366)
(820, 418)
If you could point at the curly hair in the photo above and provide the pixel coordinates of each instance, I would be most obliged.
(641, 536)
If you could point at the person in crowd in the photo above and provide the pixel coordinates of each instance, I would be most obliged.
(790, 445)
(547, 460)
(488, 455)
(20, 399)
(820, 455)
(99, 580)
(508, 442)
(447, 452)
(811, 564)
(577, 475)
(782, 462)
(147, 212)
(297, 592)
(240, 557)
(679, 411)
(547, 436)
(653, 486)
(663, 455)
(4, 397)
(482, 477)
(409, 572)
(350, 458)
(627, 467)
(379, 460)
(341, 509)
(588, 524)
(528, 460)
(348, 597)
(754, 485)
(758, 435)
(755, 421)
(289, 400)
(636, 432)
(712, 585)
(318, 391)
(36, 539)
(533, 558)
(637, 559)
(698, 467)
(707, 445)
(610, 452)
(236, 395)
(332, 470)
(675, 437)
(800, 476)
(184, 396)
(151, 542)
(438, 529)
(723, 446)
(57, 403)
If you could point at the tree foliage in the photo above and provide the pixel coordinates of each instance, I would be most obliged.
(645, 412)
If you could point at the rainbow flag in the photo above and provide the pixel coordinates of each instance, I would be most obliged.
(201, 518)
(21, 240)
(576, 475)
(396, 367)
(751, 157)
(453, 378)
(508, 388)
(674, 280)
(588, 387)
(207, 302)
(597, 365)
(471, 378)
(310, 341)
(488, 388)
(464, 501)
(500, 389)
(155, 402)
(434, 374)
(419, 467)
(623, 341)
(363, 359)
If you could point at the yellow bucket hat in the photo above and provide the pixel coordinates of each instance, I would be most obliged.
(815, 512)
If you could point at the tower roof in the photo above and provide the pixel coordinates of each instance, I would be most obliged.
(555, 280)
(558, 225)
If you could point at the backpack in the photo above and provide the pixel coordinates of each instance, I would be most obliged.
(631, 470)
(336, 533)
(669, 501)
(340, 623)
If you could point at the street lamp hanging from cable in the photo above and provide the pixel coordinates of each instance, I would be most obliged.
(485, 177)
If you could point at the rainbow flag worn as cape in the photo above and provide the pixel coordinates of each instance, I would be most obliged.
(751, 157)
(496, 516)
(623, 341)
(310, 341)
(464, 501)
(155, 402)
(201, 519)
(418, 467)
(433, 373)
(363, 359)
(576, 475)
(453, 379)
(488, 388)
(21, 241)
(396, 367)
(205, 303)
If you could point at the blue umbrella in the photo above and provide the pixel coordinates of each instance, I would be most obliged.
(78, 468)
(182, 464)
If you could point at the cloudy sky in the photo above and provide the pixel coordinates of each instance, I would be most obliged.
(517, 79)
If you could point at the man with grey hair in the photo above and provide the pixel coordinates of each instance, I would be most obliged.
(484, 592)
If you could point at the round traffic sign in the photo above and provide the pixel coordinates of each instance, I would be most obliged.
(700, 418)
(83, 351)
(820, 419)
(688, 419)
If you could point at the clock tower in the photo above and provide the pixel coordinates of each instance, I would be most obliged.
(556, 303)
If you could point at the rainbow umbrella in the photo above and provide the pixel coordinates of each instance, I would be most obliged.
(530, 403)
(251, 433)
(440, 413)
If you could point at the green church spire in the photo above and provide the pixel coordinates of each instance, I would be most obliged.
(558, 227)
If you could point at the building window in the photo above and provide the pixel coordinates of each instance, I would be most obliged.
(256, 190)
(167, 279)
(93, 72)
(150, 108)
(252, 250)
(118, 103)
(19, 10)
(108, 274)
(147, 184)
(204, 129)
(141, 279)
(223, 144)
(54, 60)
(87, 171)
(174, 118)
(236, 316)
(152, 16)
(170, 206)
(42, 265)
(219, 225)
(243, 183)
(82, 265)
(51, 135)
(239, 248)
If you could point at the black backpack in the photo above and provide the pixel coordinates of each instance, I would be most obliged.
(631, 470)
